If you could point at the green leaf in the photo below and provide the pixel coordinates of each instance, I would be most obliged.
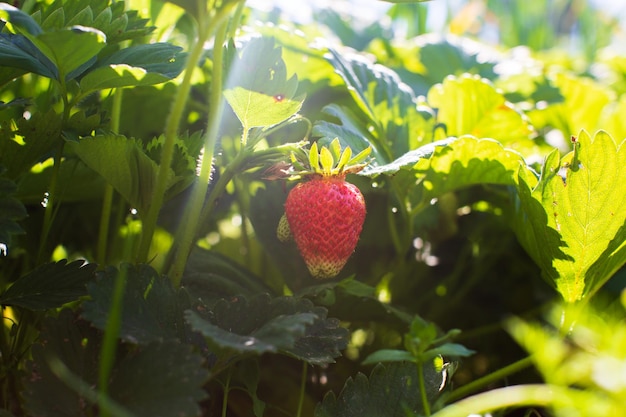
(399, 121)
(50, 286)
(572, 222)
(17, 52)
(388, 355)
(469, 105)
(389, 391)
(464, 162)
(258, 89)
(19, 20)
(123, 164)
(30, 143)
(163, 378)
(256, 109)
(408, 160)
(134, 66)
(71, 49)
(289, 325)
(151, 308)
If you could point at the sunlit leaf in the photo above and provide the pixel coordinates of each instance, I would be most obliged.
(572, 222)
(257, 87)
(469, 105)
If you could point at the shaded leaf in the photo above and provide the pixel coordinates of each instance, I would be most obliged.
(50, 285)
(388, 355)
(572, 221)
(19, 19)
(288, 325)
(151, 308)
(19, 53)
(123, 164)
(388, 392)
(30, 143)
(161, 379)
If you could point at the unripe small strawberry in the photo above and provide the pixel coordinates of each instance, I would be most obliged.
(325, 214)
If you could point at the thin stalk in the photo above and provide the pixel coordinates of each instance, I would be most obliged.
(107, 200)
(302, 388)
(199, 192)
(226, 392)
(422, 386)
(173, 122)
(488, 379)
(111, 332)
(540, 395)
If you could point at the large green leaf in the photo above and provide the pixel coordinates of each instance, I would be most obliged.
(572, 222)
(18, 53)
(468, 161)
(50, 286)
(583, 102)
(151, 308)
(389, 391)
(160, 379)
(470, 105)
(136, 65)
(123, 164)
(396, 119)
(258, 89)
(289, 325)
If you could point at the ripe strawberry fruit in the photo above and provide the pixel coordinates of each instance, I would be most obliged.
(325, 214)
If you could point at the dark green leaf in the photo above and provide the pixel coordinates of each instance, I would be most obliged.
(17, 52)
(289, 325)
(77, 345)
(390, 390)
(151, 308)
(161, 379)
(19, 19)
(453, 350)
(50, 285)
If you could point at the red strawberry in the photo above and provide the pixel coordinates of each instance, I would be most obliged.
(325, 214)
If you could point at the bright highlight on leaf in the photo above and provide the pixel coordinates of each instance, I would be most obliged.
(572, 222)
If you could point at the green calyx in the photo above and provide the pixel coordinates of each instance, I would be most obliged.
(331, 160)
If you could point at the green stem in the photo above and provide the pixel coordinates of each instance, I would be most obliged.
(422, 385)
(109, 343)
(107, 200)
(514, 396)
(488, 379)
(226, 392)
(192, 215)
(173, 122)
(302, 388)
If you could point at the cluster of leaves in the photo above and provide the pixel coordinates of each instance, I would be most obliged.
(142, 274)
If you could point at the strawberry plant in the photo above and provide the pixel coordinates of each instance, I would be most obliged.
(210, 209)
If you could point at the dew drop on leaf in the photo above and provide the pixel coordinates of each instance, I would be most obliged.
(279, 97)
